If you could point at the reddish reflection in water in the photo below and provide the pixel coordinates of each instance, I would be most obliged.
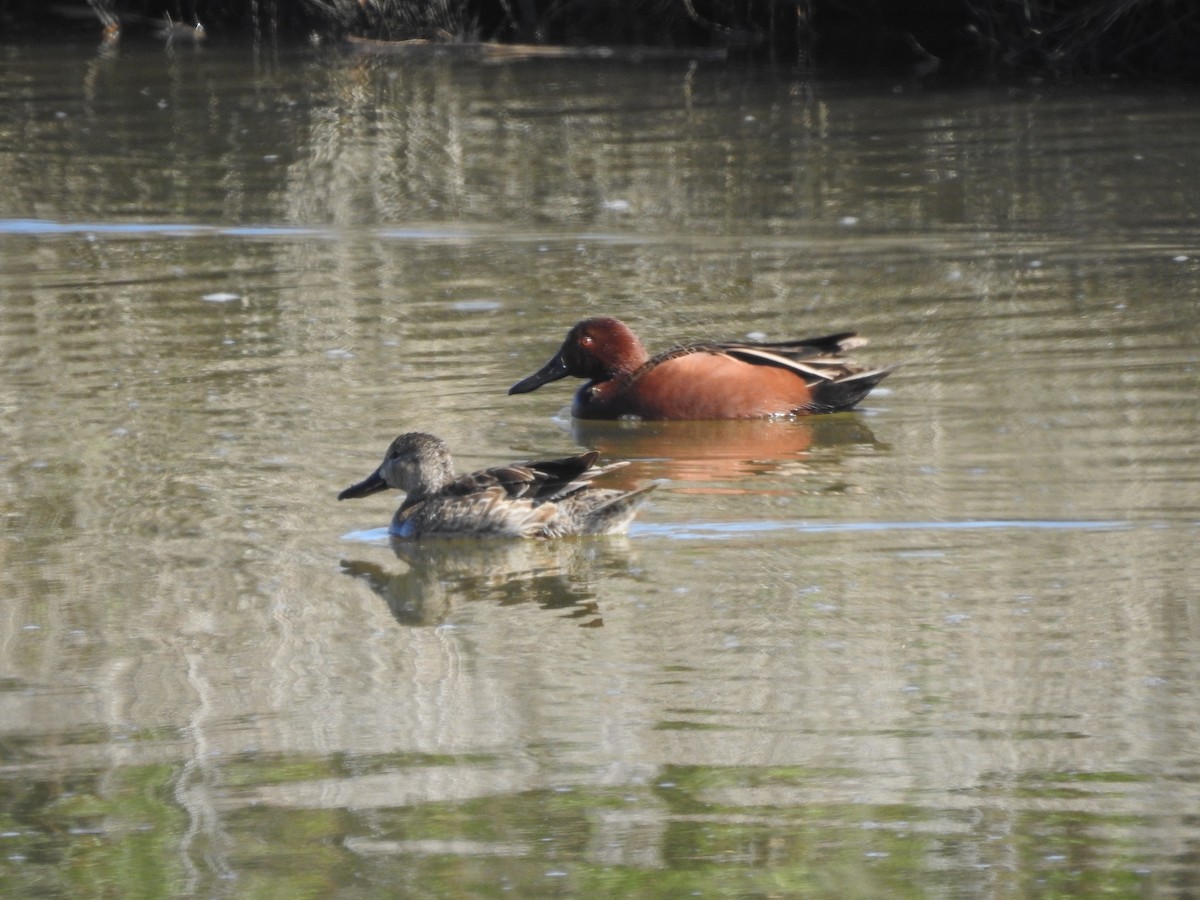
(706, 453)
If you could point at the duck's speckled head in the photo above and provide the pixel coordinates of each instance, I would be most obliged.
(415, 463)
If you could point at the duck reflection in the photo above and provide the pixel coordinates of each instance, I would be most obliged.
(704, 452)
(555, 575)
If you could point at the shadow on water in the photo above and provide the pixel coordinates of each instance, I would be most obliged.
(439, 574)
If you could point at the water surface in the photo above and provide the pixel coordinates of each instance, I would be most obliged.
(944, 645)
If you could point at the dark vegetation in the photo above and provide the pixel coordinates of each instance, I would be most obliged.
(1056, 38)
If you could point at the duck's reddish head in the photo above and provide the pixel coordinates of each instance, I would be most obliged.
(596, 349)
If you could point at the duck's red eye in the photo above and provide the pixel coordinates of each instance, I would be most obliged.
(587, 340)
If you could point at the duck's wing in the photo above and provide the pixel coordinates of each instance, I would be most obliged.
(540, 480)
(813, 359)
(830, 345)
(569, 475)
(837, 383)
(513, 481)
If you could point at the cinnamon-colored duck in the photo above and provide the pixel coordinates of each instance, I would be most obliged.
(704, 380)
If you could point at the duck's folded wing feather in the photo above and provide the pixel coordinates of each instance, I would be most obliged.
(811, 368)
(514, 480)
(829, 345)
(540, 480)
(562, 471)
(814, 359)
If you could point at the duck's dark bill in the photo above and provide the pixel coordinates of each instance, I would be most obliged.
(551, 371)
(372, 484)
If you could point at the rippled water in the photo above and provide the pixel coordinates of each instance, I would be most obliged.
(945, 645)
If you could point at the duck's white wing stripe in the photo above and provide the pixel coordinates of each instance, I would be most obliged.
(818, 368)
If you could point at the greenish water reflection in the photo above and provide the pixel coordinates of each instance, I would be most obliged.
(726, 831)
(92, 834)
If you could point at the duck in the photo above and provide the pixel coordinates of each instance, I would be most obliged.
(544, 499)
(706, 379)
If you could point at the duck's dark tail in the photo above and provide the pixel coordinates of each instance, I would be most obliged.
(845, 393)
